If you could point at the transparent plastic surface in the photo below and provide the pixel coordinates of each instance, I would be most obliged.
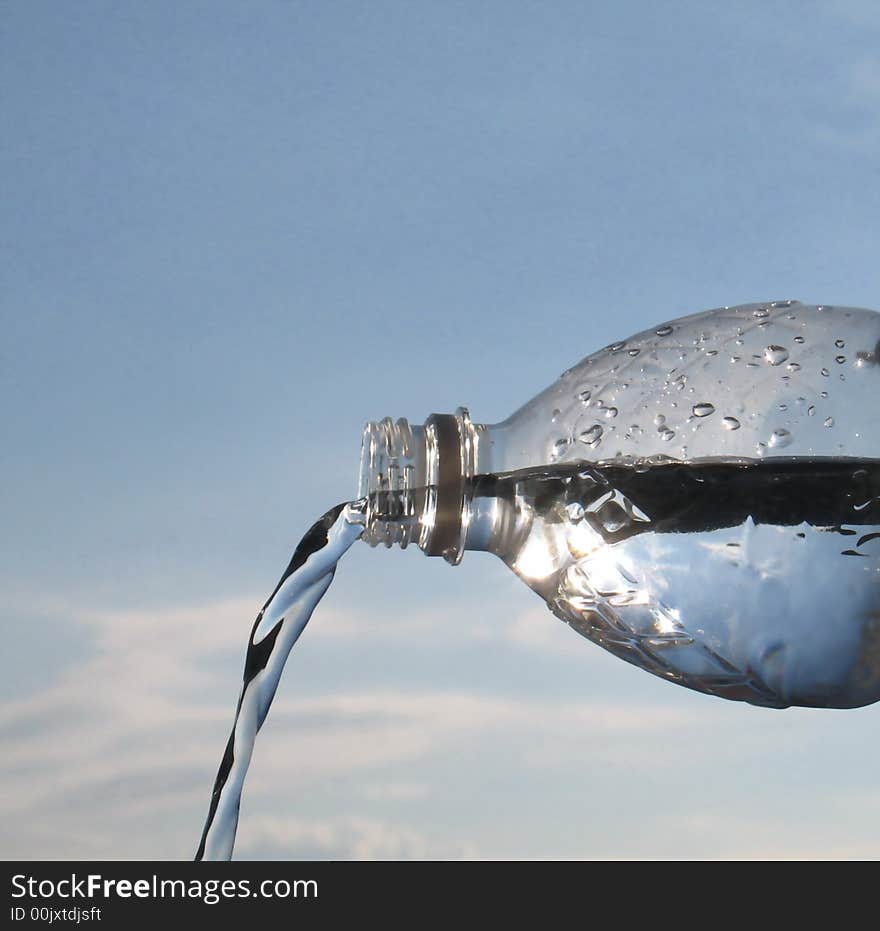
(775, 379)
(757, 581)
(702, 499)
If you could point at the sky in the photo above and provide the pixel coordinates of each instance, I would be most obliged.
(231, 234)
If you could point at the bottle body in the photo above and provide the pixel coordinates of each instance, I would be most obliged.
(757, 581)
(766, 415)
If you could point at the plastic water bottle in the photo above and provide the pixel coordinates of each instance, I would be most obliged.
(701, 499)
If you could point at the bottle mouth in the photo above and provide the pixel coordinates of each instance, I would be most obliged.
(415, 482)
(392, 456)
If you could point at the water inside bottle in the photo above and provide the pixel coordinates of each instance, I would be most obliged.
(753, 580)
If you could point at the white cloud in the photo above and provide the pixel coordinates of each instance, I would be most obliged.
(134, 732)
(115, 757)
(347, 838)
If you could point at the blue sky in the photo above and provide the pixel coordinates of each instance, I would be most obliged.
(233, 233)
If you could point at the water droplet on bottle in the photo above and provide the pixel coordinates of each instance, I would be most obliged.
(584, 396)
(730, 423)
(775, 355)
(825, 373)
(840, 359)
(780, 438)
(609, 412)
(666, 434)
(616, 347)
(839, 343)
(811, 410)
(703, 409)
(761, 313)
(633, 352)
(793, 367)
(663, 330)
(829, 421)
(799, 339)
(592, 436)
(659, 420)
(560, 447)
(555, 415)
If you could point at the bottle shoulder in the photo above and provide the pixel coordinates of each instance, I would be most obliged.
(779, 378)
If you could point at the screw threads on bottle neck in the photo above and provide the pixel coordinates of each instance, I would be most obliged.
(415, 482)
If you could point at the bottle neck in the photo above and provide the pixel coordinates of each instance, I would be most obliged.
(417, 482)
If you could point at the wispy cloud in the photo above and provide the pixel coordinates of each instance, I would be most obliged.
(134, 732)
(115, 758)
(271, 837)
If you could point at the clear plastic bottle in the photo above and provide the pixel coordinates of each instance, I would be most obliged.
(701, 499)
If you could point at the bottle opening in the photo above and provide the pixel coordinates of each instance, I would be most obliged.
(415, 482)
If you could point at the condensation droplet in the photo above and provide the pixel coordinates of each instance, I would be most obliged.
(659, 420)
(793, 367)
(829, 421)
(633, 352)
(840, 359)
(775, 355)
(666, 434)
(811, 411)
(663, 330)
(560, 447)
(825, 373)
(730, 423)
(555, 415)
(839, 343)
(761, 313)
(616, 347)
(780, 438)
(609, 412)
(799, 339)
(703, 409)
(592, 436)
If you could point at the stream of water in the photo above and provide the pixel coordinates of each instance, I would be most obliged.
(275, 631)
